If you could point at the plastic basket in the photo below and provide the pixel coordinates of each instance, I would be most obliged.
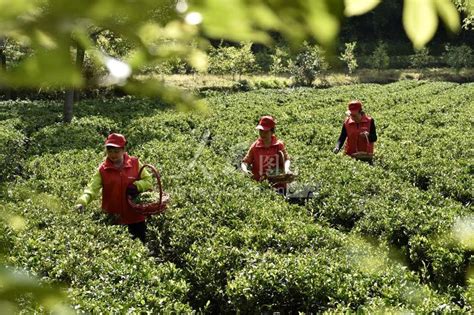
(155, 207)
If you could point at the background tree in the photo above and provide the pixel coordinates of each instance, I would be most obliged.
(349, 58)
(307, 64)
(47, 27)
(459, 57)
(380, 58)
(421, 58)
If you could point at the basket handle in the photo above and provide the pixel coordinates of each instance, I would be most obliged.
(281, 158)
(157, 175)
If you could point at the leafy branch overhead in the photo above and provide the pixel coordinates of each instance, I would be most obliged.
(157, 31)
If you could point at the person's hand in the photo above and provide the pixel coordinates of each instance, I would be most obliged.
(245, 169)
(79, 208)
(336, 149)
(132, 190)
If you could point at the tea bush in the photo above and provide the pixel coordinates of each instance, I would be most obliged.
(54, 251)
(12, 154)
(33, 115)
(63, 174)
(323, 280)
(397, 230)
(373, 239)
(59, 137)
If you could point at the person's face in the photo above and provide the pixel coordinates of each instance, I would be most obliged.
(265, 134)
(115, 154)
(356, 116)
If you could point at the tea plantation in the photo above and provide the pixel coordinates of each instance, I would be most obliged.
(393, 237)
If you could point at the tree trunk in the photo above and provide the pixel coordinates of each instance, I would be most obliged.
(80, 54)
(68, 105)
(72, 95)
(3, 65)
(3, 59)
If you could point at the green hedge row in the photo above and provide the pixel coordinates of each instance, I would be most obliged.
(376, 202)
(372, 239)
(12, 153)
(102, 267)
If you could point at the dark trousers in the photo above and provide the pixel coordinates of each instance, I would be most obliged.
(138, 230)
(369, 161)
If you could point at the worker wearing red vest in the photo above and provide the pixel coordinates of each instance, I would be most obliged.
(117, 177)
(359, 129)
(267, 154)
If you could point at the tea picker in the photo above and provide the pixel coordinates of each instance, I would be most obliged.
(359, 130)
(267, 158)
(118, 177)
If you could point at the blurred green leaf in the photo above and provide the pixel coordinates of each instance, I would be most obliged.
(45, 40)
(323, 20)
(53, 68)
(155, 33)
(358, 7)
(198, 60)
(149, 33)
(230, 19)
(137, 57)
(16, 223)
(265, 17)
(179, 31)
(448, 13)
(15, 284)
(420, 21)
(464, 231)
(182, 100)
(14, 9)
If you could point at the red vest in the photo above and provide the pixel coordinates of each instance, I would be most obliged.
(355, 141)
(264, 158)
(114, 187)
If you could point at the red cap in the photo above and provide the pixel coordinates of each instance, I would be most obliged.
(355, 106)
(115, 140)
(266, 123)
